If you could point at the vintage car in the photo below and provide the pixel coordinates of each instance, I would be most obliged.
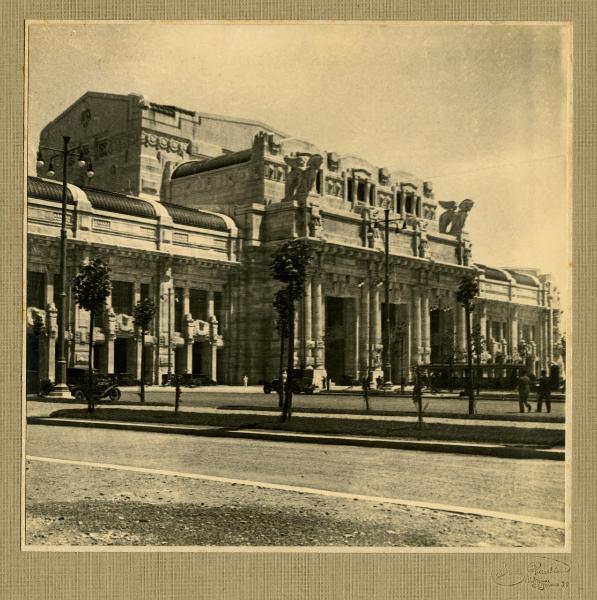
(302, 383)
(187, 380)
(104, 386)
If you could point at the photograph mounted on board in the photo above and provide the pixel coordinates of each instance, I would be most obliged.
(310, 290)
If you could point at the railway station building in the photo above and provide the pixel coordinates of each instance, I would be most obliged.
(187, 209)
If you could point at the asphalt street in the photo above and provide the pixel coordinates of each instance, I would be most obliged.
(529, 487)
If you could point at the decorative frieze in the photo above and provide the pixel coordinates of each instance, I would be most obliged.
(164, 143)
(274, 172)
(334, 187)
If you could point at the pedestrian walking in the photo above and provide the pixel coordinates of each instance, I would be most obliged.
(544, 392)
(366, 388)
(379, 381)
(246, 381)
(524, 389)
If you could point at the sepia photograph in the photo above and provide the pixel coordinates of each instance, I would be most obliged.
(298, 285)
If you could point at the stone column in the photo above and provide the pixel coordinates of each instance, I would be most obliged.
(514, 332)
(188, 342)
(375, 325)
(483, 323)
(356, 329)
(107, 358)
(317, 321)
(135, 343)
(402, 201)
(364, 331)
(545, 331)
(367, 192)
(460, 332)
(425, 327)
(355, 182)
(550, 337)
(416, 327)
(407, 344)
(212, 345)
(306, 333)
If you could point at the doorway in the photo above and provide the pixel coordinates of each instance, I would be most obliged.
(335, 344)
(120, 355)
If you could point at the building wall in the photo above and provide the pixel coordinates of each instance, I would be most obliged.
(341, 217)
(154, 256)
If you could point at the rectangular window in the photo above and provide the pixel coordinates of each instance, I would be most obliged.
(178, 309)
(361, 191)
(122, 297)
(145, 291)
(198, 304)
(410, 203)
(372, 195)
(318, 181)
(36, 289)
(350, 188)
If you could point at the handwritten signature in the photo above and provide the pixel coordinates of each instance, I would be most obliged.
(541, 574)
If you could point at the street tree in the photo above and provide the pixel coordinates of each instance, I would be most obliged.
(448, 355)
(143, 313)
(468, 290)
(478, 349)
(281, 305)
(91, 288)
(289, 266)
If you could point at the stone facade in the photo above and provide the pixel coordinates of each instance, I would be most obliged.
(269, 188)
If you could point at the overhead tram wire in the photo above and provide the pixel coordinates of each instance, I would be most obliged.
(498, 166)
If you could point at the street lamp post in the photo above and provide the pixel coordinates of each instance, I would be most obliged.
(169, 297)
(60, 389)
(387, 341)
(387, 344)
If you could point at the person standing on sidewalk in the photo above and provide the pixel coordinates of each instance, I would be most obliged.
(544, 392)
(366, 388)
(524, 389)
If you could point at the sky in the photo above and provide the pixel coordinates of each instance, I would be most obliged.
(480, 110)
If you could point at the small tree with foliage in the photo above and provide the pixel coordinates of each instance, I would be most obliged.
(289, 265)
(281, 305)
(143, 313)
(91, 288)
(468, 290)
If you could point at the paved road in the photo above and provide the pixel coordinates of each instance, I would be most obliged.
(529, 487)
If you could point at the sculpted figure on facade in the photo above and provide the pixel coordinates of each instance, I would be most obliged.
(295, 164)
(460, 217)
(446, 218)
(452, 220)
(315, 223)
(307, 177)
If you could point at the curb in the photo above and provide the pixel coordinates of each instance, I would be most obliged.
(273, 436)
(426, 396)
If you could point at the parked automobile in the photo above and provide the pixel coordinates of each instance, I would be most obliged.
(188, 380)
(104, 386)
(302, 383)
(124, 379)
